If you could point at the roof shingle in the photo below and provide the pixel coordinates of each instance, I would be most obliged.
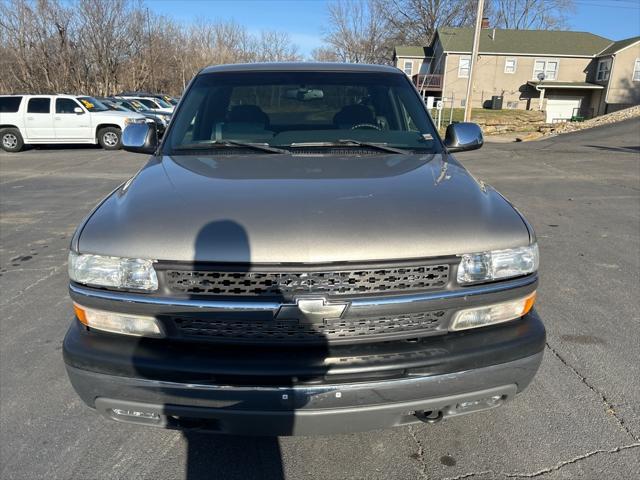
(619, 45)
(532, 42)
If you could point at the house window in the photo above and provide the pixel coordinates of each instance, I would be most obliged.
(604, 70)
(636, 71)
(510, 65)
(463, 67)
(547, 67)
(408, 67)
(463, 102)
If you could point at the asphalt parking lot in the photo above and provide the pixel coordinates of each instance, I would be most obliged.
(580, 418)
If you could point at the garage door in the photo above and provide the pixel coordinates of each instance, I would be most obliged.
(560, 109)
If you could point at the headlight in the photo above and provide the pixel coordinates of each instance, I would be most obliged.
(129, 120)
(498, 264)
(492, 314)
(96, 270)
(115, 322)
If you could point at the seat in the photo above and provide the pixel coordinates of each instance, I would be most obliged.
(248, 114)
(352, 115)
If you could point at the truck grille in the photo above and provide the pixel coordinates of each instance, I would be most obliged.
(330, 331)
(288, 284)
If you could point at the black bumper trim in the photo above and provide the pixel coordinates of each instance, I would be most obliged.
(183, 362)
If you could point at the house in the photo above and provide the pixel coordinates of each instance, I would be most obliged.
(618, 71)
(564, 73)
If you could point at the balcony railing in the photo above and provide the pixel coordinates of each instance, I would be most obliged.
(427, 82)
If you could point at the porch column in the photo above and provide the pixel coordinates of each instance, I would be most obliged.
(541, 99)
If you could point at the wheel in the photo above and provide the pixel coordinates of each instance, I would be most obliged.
(109, 138)
(11, 140)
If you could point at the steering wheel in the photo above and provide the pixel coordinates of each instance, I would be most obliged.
(368, 126)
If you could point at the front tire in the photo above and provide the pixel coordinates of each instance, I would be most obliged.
(110, 138)
(11, 140)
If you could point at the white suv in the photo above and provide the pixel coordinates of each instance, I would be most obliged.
(34, 119)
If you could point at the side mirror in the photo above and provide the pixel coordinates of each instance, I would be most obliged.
(140, 138)
(78, 111)
(463, 136)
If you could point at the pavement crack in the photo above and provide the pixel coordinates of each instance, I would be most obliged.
(419, 455)
(609, 407)
(544, 471)
(53, 271)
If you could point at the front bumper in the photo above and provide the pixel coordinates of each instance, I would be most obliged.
(180, 386)
(314, 410)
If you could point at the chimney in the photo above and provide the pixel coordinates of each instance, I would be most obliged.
(485, 22)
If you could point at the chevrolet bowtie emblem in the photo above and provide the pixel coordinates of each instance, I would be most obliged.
(311, 310)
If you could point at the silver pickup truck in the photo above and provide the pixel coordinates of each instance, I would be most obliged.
(301, 254)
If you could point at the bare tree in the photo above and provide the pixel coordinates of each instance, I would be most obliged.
(275, 46)
(100, 47)
(358, 31)
(324, 54)
(104, 35)
(367, 30)
(415, 21)
(37, 44)
(531, 14)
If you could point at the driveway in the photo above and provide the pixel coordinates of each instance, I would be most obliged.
(580, 418)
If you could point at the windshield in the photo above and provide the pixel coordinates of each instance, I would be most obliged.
(134, 105)
(150, 104)
(114, 106)
(287, 109)
(162, 102)
(168, 100)
(92, 104)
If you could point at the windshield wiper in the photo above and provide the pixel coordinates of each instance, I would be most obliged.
(383, 147)
(262, 147)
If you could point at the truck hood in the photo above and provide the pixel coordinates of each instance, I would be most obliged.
(305, 209)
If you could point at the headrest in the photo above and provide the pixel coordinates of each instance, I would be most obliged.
(353, 115)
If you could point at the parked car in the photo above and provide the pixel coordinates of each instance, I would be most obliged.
(37, 119)
(302, 254)
(168, 99)
(152, 103)
(161, 120)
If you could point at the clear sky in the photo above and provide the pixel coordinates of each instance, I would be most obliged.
(304, 20)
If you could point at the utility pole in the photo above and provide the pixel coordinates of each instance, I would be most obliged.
(474, 56)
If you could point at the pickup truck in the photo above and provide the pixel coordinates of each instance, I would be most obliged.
(61, 119)
(302, 254)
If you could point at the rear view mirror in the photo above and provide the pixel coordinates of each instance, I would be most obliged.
(78, 110)
(463, 136)
(304, 94)
(140, 138)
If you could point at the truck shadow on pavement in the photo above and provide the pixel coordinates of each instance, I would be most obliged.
(223, 446)
(212, 456)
